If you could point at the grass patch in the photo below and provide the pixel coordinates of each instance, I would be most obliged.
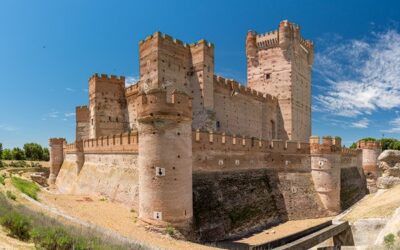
(11, 195)
(48, 233)
(27, 187)
(18, 225)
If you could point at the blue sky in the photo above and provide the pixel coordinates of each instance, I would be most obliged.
(49, 49)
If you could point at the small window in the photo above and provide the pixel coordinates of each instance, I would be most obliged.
(92, 121)
(218, 124)
(268, 76)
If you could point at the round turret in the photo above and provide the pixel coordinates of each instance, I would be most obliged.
(370, 152)
(165, 158)
(56, 146)
(325, 171)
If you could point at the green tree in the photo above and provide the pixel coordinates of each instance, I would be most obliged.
(46, 154)
(33, 151)
(18, 154)
(6, 155)
(354, 145)
(388, 143)
(1, 151)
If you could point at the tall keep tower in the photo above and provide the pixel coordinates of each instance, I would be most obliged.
(279, 63)
(165, 158)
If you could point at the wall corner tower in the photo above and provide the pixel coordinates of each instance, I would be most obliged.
(165, 158)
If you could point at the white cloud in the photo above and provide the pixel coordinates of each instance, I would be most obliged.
(130, 80)
(69, 89)
(363, 123)
(7, 128)
(395, 123)
(362, 75)
(69, 114)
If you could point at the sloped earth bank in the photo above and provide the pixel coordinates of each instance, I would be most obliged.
(101, 213)
(111, 219)
(7, 242)
(374, 217)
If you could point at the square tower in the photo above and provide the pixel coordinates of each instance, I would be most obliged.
(279, 63)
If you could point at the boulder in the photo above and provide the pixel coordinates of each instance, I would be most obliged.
(391, 157)
(387, 182)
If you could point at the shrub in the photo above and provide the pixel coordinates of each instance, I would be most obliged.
(49, 238)
(2, 180)
(18, 164)
(170, 230)
(18, 225)
(10, 195)
(389, 240)
(27, 187)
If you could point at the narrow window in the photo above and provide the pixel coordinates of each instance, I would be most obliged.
(268, 76)
(218, 124)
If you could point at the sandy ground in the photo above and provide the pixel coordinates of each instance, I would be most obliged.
(113, 216)
(282, 230)
(8, 243)
(377, 205)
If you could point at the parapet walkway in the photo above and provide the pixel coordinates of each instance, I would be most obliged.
(305, 239)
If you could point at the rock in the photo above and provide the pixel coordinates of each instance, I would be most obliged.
(383, 165)
(391, 157)
(39, 178)
(387, 181)
(395, 172)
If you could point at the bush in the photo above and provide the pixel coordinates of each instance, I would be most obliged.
(18, 164)
(389, 240)
(10, 195)
(48, 238)
(27, 187)
(170, 230)
(18, 225)
(2, 180)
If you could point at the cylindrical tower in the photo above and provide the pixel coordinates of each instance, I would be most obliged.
(165, 158)
(56, 146)
(370, 152)
(325, 171)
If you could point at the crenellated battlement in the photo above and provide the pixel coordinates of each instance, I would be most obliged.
(350, 152)
(167, 38)
(368, 144)
(222, 141)
(329, 145)
(133, 89)
(268, 40)
(119, 143)
(154, 104)
(56, 141)
(108, 78)
(239, 88)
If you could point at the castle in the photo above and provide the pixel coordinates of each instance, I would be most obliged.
(206, 154)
